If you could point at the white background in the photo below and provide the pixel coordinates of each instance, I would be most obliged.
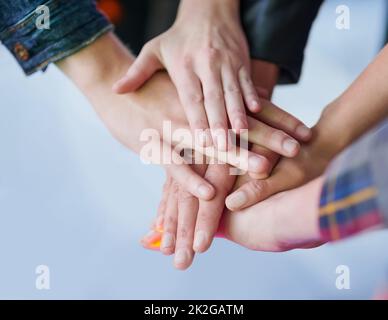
(73, 198)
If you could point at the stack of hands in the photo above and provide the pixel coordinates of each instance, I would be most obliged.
(219, 88)
(198, 76)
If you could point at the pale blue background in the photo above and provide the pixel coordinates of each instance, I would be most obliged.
(74, 199)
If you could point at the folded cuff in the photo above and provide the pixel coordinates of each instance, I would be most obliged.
(277, 32)
(73, 24)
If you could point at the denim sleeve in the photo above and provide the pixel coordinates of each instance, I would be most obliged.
(278, 30)
(73, 24)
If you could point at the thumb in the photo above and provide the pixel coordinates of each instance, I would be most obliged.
(145, 65)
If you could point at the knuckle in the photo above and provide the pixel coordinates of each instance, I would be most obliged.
(195, 97)
(174, 188)
(237, 113)
(187, 61)
(219, 127)
(214, 95)
(232, 88)
(276, 135)
(211, 54)
(183, 231)
(200, 124)
(148, 46)
(257, 187)
(286, 118)
(162, 207)
(184, 197)
(166, 186)
(170, 222)
(205, 218)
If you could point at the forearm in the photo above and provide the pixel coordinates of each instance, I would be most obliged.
(93, 70)
(358, 109)
(100, 64)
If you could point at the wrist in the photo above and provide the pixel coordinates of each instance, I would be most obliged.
(296, 231)
(333, 132)
(208, 10)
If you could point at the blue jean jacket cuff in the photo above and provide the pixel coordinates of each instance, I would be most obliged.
(74, 24)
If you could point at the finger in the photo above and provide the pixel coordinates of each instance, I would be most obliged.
(152, 240)
(158, 222)
(182, 173)
(167, 245)
(255, 191)
(238, 157)
(271, 156)
(263, 93)
(191, 96)
(191, 181)
(145, 65)
(210, 212)
(187, 208)
(187, 212)
(249, 91)
(280, 119)
(271, 138)
(233, 100)
(215, 106)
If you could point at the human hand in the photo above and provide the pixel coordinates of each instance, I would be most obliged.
(285, 221)
(94, 69)
(311, 161)
(186, 225)
(207, 57)
(175, 226)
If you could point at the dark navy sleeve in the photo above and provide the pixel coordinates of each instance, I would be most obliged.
(278, 30)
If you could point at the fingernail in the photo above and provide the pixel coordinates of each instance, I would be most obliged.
(303, 131)
(181, 257)
(290, 146)
(167, 241)
(255, 104)
(204, 191)
(200, 240)
(255, 164)
(236, 200)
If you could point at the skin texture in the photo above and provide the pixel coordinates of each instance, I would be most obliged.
(207, 57)
(270, 225)
(286, 221)
(362, 106)
(94, 70)
(184, 236)
(172, 231)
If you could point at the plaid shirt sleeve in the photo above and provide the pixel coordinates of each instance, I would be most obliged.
(355, 193)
